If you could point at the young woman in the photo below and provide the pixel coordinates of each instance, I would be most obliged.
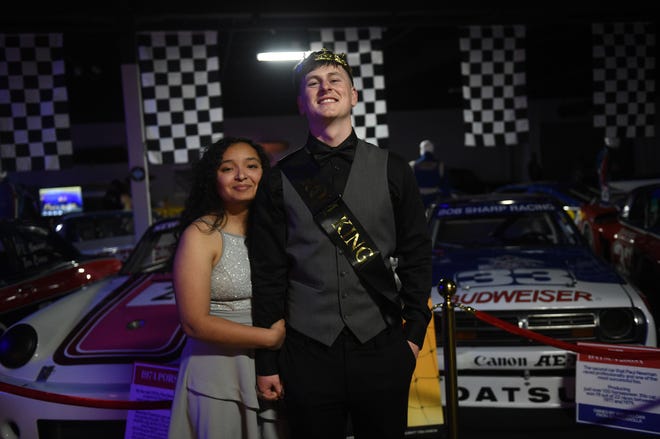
(215, 395)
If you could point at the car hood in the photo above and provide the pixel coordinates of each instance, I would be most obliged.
(137, 321)
(113, 324)
(514, 278)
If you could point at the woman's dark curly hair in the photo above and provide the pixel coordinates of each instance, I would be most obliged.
(203, 198)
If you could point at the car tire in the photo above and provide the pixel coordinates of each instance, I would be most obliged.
(588, 234)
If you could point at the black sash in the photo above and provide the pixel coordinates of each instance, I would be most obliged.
(344, 230)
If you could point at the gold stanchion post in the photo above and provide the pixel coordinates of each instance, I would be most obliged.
(447, 289)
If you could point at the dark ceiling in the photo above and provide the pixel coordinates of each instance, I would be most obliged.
(420, 45)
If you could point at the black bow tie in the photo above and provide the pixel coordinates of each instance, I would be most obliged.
(328, 153)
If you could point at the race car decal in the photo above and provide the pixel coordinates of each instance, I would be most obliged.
(516, 362)
(520, 292)
(518, 276)
(488, 209)
(537, 395)
(511, 392)
(509, 262)
(523, 296)
(137, 322)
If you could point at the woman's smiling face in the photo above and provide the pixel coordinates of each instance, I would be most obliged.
(239, 174)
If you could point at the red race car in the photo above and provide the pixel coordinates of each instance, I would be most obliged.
(628, 235)
(38, 266)
(598, 223)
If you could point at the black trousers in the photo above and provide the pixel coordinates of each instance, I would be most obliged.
(366, 384)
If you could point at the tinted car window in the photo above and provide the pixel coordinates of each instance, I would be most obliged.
(521, 229)
(653, 211)
(6, 265)
(27, 250)
(636, 213)
(90, 227)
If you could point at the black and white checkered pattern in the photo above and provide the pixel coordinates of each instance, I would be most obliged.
(365, 56)
(35, 130)
(182, 99)
(494, 85)
(624, 85)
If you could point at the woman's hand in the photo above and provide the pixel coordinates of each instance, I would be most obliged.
(278, 331)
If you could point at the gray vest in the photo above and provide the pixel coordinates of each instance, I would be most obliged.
(324, 293)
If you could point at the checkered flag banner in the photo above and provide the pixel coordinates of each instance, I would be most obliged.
(494, 85)
(624, 79)
(35, 130)
(365, 56)
(182, 100)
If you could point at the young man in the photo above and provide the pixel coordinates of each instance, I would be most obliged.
(327, 222)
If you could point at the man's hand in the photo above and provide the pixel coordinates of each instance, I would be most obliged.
(414, 348)
(269, 387)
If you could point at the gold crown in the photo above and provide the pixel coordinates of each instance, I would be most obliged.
(326, 55)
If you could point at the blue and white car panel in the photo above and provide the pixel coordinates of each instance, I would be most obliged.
(551, 284)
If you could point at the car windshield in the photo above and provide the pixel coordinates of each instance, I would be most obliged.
(521, 229)
(155, 250)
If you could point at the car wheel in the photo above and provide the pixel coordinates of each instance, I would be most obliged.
(588, 234)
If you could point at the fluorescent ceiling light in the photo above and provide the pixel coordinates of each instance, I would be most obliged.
(282, 56)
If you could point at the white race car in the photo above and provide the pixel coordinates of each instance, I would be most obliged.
(66, 370)
(520, 258)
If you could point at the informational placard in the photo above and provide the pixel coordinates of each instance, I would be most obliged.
(619, 392)
(151, 382)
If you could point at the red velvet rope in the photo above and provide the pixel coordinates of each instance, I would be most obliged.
(84, 402)
(609, 351)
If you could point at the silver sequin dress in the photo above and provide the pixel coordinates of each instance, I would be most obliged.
(216, 384)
